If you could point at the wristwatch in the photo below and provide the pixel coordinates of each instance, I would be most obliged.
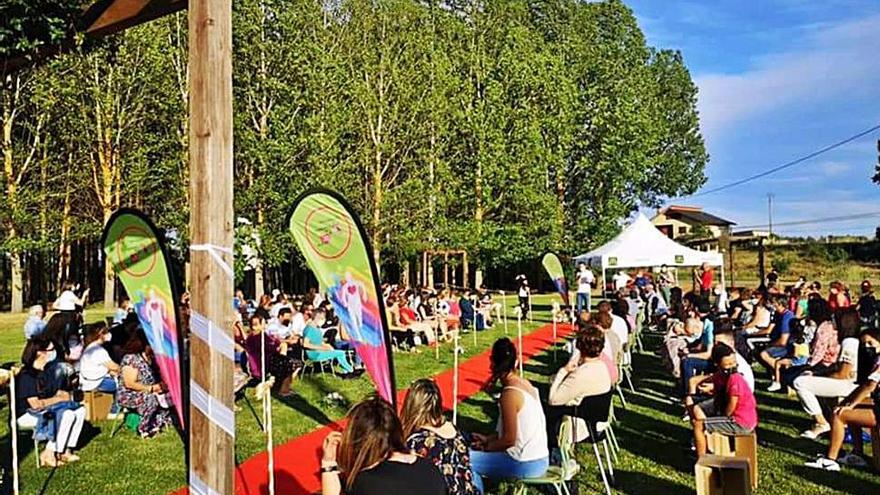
(333, 468)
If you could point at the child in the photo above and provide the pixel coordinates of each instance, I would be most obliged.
(798, 354)
(732, 410)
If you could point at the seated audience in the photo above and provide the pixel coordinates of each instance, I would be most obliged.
(798, 354)
(34, 325)
(51, 412)
(123, 308)
(429, 435)
(374, 458)
(279, 361)
(836, 382)
(779, 333)
(318, 350)
(588, 375)
(731, 411)
(855, 411)
(142, 388)
(97, 371)
(518, 449)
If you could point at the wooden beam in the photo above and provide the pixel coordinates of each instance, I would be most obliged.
(211, 452)
(111, 16)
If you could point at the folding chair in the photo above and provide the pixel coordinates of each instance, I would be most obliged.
(556, 476)
(593, 410)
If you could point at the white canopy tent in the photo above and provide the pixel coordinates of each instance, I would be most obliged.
(641, 244)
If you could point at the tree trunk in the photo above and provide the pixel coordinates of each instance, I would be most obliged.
(17, 283)
(109, 274)
(376, 234)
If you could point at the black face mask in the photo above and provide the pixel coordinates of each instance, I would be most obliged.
(728, 371)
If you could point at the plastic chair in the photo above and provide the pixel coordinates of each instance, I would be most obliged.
(556, 476)
(593, 410)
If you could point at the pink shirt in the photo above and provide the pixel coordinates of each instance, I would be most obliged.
(746, 412)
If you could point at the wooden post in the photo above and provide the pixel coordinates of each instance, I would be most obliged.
(464, 270)
(211, 446)
(446, 270)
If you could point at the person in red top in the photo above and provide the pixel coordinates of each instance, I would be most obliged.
(837, 297)
(732, 410)
(704, 276)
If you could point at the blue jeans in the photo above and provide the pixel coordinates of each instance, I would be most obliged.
(499, 465)
(583, 302)
(345, 346)
(108, 385)
(691, 367)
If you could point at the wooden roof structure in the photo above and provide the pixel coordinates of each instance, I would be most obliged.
(101, 18)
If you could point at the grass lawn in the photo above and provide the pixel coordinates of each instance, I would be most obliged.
(654, 459)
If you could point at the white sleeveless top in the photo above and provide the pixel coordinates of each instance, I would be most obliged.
(531, 434)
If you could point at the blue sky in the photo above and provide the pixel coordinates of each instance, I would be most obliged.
(779, 79)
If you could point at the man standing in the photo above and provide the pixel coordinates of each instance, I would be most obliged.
(585, 281)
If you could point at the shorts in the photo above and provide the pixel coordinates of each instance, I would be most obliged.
(777, 352)
(799, 361)
(724, 425)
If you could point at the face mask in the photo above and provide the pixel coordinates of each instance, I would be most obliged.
(728, 371)
(51, 356)
(108, 337)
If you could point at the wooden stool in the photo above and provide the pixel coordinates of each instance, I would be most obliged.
(98, 405)
(722, 475)
(744, 446)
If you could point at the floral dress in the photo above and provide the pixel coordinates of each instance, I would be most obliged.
(450, 455)
(154, 417)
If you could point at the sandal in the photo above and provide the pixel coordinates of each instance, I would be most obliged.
(817, 431)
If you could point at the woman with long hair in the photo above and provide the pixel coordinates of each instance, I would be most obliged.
(142, 387)
(50, 412)
(97, 371)
(837, 381)
(430, 435)
(372, 455)
(518, 449)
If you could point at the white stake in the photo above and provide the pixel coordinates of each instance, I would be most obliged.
(476, 312)
(455, 380)
(518, 312)
(530, 307)
(13, 424)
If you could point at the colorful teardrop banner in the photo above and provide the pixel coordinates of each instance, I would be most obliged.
(335, 247)
(554, 269)
(136, 250)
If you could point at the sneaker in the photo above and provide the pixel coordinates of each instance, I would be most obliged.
(824, 464)
(774, 387)
(853, 460)
(816, 432)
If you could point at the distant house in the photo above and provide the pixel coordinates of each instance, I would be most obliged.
(693, 226)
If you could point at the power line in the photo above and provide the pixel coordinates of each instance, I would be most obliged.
(784, 165)
(815, 220)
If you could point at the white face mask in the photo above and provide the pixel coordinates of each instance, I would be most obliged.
(108, 337)
(51, 356)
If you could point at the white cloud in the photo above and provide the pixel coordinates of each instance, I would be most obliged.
(834, 61)
(832, 169)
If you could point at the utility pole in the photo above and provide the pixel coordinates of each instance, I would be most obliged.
(770, 215)
(212, 418)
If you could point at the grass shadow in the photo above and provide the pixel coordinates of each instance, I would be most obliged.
(841, 481)
(638, 483)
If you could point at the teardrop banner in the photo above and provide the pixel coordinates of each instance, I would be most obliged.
(554, 269)
(335, 246)
(136, 250)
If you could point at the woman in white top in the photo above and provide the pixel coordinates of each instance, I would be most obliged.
(97, 371)
(519, 448)
(841, 380)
